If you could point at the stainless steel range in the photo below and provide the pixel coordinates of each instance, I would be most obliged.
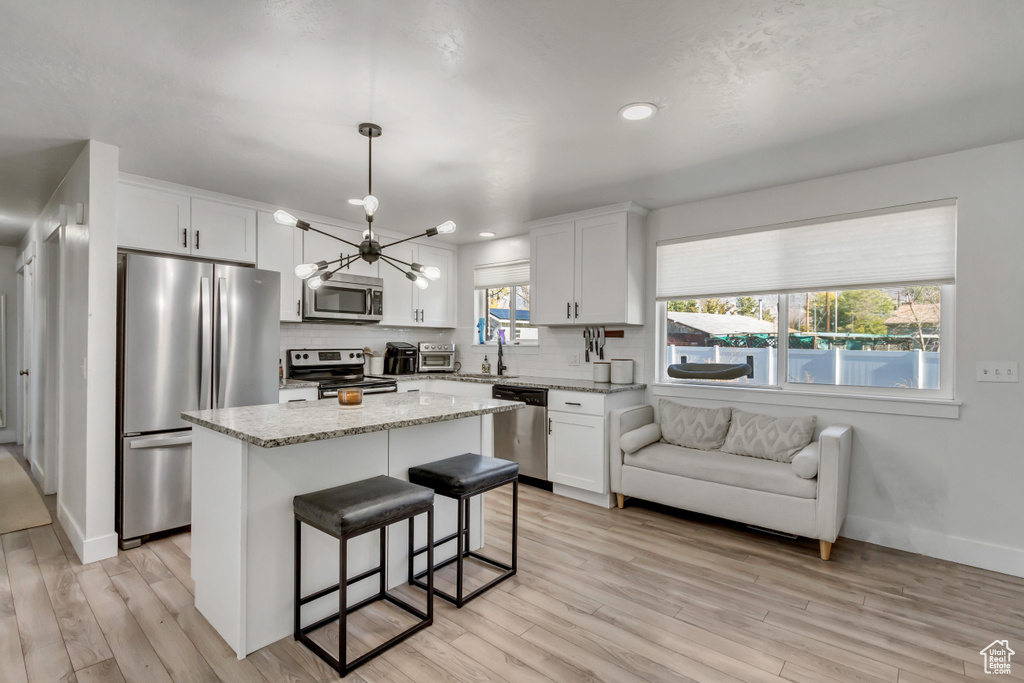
(334, 369)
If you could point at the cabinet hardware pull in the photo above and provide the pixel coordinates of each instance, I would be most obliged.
(184, 237)
(549, 425)
(572, 404)
(197, 240)
(568, 311)
(577, 308)
(298, 308)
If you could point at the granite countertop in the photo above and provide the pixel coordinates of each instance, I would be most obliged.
(284, 424)
(296, 384)
(585, 385)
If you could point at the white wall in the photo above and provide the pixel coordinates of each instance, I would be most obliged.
(85, 415)
(9, 289)
(333, 336)
(949, 488)
(549, 358)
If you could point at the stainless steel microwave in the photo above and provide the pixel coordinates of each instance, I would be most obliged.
(345, 298)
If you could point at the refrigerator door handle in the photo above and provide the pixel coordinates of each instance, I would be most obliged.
(161, 442)
(205, 341)
(222, 325)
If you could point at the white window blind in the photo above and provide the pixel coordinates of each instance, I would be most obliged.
(899, 246)
(502, 274)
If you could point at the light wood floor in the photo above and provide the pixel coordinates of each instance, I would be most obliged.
(607, 595)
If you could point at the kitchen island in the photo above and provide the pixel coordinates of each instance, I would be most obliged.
(248, 464)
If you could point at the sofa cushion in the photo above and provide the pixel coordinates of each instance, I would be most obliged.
(764, 436)
(805, 463)
(691, 427)
(631, 442)
(724, 468)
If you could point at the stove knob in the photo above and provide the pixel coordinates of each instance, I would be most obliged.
(351, 355)
(359, 355)
(305, 356)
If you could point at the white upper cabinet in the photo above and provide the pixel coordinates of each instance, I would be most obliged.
(279, 248)
(405, 304)
(152, 219)
(437, 302)
(552, 290)
(588, 268)
(223, 231)
(400, 304)
(317, 247)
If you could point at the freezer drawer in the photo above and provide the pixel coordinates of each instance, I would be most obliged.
(156, 483)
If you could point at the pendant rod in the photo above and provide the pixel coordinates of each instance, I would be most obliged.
(327, 234)
(391, 244)
(388, 260)
(397, 260)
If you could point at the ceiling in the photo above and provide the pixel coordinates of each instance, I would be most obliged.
(495, 113)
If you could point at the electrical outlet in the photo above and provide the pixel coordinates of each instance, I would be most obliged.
(574, 358)
(997, 371)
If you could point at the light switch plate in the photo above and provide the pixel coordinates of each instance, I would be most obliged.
(997, 371)
(574, 358)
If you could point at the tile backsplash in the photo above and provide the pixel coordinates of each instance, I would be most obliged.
(333, 335)
(550, 358)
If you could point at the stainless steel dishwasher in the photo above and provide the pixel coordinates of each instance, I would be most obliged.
(522, 435)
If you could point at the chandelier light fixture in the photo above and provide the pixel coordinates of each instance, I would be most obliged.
(370, 249)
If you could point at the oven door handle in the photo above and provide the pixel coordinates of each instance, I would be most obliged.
(380, 390)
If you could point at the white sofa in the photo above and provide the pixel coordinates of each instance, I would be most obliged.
(744, 489)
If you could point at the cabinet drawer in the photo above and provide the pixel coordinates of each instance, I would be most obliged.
(576, 402)
(298, 394)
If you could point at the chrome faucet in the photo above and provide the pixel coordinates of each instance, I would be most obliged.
(501, 365)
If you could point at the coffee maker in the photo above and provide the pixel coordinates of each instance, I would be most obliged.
(400, 358)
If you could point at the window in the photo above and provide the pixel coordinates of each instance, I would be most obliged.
(723, 340)
(862, 298)
(502, 302)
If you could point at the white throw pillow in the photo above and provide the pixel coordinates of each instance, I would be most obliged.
(805, 463)
(703, 428)
(764, 436)
(631, 442)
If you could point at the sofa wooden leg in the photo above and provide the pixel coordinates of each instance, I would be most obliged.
(620, 500)
(826, 549)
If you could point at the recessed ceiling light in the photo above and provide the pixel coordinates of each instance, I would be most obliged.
(487, 234)
(638, 111)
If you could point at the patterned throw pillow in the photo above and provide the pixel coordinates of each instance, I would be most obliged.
(703, 428)
(764, 436)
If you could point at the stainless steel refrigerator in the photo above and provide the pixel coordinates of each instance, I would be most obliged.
(191, 335)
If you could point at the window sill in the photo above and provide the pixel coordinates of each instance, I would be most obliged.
(891, 405)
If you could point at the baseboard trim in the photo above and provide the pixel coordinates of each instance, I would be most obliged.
(934, 544)
(605, 500)
(88, 550)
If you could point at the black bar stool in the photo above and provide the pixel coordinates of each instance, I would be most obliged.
(345, 512)
(461, 478)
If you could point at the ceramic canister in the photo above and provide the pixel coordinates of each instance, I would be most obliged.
(622, 371)
(602, 371)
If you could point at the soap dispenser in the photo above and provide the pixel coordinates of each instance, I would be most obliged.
(486, 367)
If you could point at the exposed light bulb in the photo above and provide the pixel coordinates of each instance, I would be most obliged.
(420, 282)
(370, 204)
(314, 283)
(446, 227)
(305, 271)
(285, 218)
(432, 273)
(356, 202)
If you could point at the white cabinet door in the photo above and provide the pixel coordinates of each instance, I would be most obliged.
(399, 302)
(153, 220)
(552, 254)
(576, 451)
(223, 231)
(279, 248)
(600, 285)
(317, 247)
(436, 303)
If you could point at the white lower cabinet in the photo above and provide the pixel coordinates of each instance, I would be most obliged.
(576, 451)
(298, 394)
